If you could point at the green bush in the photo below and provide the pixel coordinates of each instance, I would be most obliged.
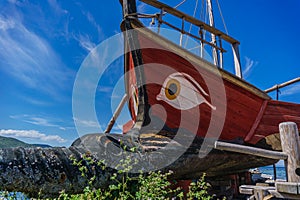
(153, 185)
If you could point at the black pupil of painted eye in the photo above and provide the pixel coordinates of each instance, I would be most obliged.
(172, 89)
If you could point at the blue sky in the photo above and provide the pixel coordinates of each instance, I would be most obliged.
(43, 44)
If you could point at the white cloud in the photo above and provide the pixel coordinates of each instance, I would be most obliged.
(39, 121)
(66, 128)
(87, 123)
(85, 40)
(291, 90)
(29, 58)
(34, 120)
(31, 134)
(6, 24)
(86, 43)
(43, 121)
(249, 65)
(56, 7)
(35, 101)
(92, 20)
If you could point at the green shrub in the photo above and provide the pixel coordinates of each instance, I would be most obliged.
(123, 186)
(153, 185)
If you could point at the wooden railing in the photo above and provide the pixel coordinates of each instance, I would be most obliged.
(202, 27)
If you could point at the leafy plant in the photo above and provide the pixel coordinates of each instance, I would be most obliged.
(153, 185)
(198, 190)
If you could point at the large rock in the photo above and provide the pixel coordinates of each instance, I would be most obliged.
(48, 171)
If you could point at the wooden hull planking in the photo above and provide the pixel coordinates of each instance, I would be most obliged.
(249, 115)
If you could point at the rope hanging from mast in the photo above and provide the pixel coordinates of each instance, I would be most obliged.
(221, 14)
(179, 4)
(190, 29)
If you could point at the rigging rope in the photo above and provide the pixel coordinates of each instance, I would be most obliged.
(222, 17)
(180, 4)
(190, 29)
(202, 14)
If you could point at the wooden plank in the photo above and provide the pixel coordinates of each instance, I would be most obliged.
(275, 107)
(275, 87)
(249, 189)
(257, 121)
(250, 150)
(284, 195)
(242, 106)
(287, 187)
(260, 193)
(244, 190)
(195, 59)
(290, 142)
(191, 19)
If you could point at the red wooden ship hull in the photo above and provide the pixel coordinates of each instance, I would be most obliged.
(216, 104)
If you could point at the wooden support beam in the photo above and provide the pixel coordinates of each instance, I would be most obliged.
(116, 114)
(290, 142)
(287, 187)
(250, 150)
(284, 195)
(275, 87)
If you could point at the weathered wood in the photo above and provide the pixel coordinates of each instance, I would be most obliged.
(129, 7)
(275, 113)
(290, 143)
(257, 121)
(284, 195)
(116, 114)
(260, 193)
(250, 150)
(249, 189)
(287, 187)
(49, 171)
(276, 87)
(245, 190)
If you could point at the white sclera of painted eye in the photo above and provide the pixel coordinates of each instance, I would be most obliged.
(182, 92)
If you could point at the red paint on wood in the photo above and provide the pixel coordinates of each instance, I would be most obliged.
(248, 116)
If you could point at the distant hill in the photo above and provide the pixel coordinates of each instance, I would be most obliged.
(7, 142)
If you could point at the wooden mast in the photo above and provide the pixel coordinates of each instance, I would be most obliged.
(213, 36)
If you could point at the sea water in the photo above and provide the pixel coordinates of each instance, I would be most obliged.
(280, 172)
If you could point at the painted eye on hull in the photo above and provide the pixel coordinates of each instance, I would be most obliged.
(182, 92)
(172, 89)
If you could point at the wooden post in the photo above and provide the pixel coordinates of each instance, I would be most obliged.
(116, 114)
(290, 142)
